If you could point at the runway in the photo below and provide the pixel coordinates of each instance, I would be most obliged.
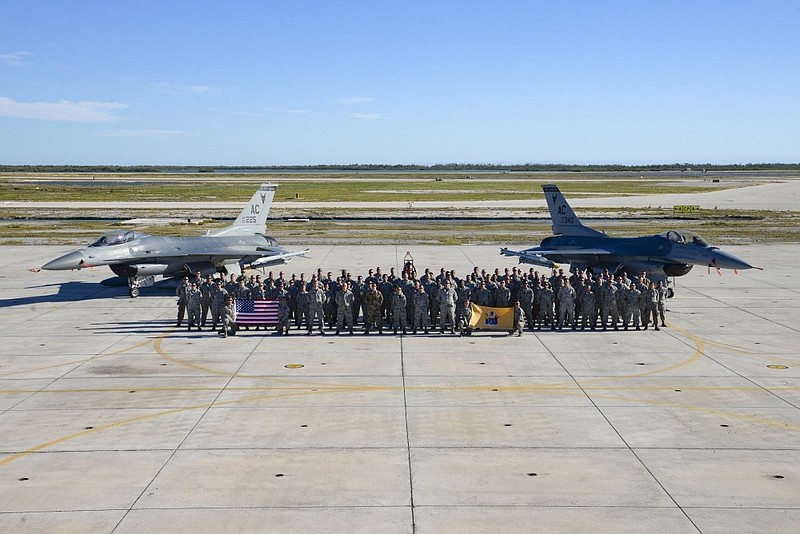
(113, 420)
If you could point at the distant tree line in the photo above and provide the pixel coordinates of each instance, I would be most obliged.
(460, 167)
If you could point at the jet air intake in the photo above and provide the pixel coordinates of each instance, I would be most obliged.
(144, 269)
(677, 269)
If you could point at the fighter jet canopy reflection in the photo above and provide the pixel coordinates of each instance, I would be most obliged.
(140, 257)
(671, 253)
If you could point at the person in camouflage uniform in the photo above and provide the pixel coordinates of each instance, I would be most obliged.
(588, 308)
(357, 288)
(519, 319)
(525, 298)
(373, 306)
(631, 307)
(608, 304)
(303, 302)
(218, 304)
(193, 297)
(546, 306)
(398, 309)
(482, 296)
(228, 317)
(283, 316)
(316, 307)
(344, 308)
(386, 288)
(183, 300)
(207, 297)
(329, 307)
(463, 293)
(566, 305)
(420, 309)
(662, 302)
(641, 285)
(447, 305)
(230, 285)
(651, 306)
(432, 289)
(502, 295)
(465, 320)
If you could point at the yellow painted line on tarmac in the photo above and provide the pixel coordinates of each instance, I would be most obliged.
(133, 420)
(310, 388)
(76, 362)
(715, 411)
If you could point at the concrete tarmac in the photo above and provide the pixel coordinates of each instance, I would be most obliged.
(114, 420)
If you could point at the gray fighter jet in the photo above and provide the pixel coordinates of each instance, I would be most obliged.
(671, 253)
(141, 257)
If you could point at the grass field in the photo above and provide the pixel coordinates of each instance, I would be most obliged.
(331, 187)
(75, 227)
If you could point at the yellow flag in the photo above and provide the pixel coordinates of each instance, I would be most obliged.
(485, 317)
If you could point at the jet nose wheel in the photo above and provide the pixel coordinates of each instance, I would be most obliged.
(670, 293)
(134, 292)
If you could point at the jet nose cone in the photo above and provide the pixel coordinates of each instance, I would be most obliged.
(726, 260)
(73, 260)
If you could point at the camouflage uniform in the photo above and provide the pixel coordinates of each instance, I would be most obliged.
(373, 306)
(420, 310)
(180, 292)
(631, 308)
(519, 320)
(218, 305)
(483, 296)
(464, 327)
(651, 306)
(608, 305)
(344, 309)
(502, 296)
(588, 308)
(525, 297)
(303, 302)
(207, 292)
(193, 297)
(385, 287)
(432, 289)
(566, 307)
(447, 305)
(357, 288)
(316, 307)
(283, 317)
(464, 293)
(662, 302)
(228, 319)
(546, 308)
(399, 305)
(257, 292)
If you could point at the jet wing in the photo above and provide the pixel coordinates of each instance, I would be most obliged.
(541, 256)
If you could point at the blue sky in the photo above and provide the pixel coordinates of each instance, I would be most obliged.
(503, 82)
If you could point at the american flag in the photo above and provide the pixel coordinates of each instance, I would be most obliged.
(259, 312)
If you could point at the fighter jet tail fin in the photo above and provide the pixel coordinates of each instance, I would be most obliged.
(253, 218)
(565, 222)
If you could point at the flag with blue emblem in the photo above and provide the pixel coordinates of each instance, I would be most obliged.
(258, 312)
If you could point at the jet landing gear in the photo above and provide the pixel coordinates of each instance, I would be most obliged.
(135, 283)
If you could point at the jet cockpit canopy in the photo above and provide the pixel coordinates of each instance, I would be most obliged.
(685, 237)
(116, 237)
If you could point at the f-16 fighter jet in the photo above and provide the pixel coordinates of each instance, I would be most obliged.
(671, 253)
(140, 257)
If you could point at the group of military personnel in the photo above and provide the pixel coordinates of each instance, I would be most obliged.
(406, 302)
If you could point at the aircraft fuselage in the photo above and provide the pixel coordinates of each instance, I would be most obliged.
(172, 254)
